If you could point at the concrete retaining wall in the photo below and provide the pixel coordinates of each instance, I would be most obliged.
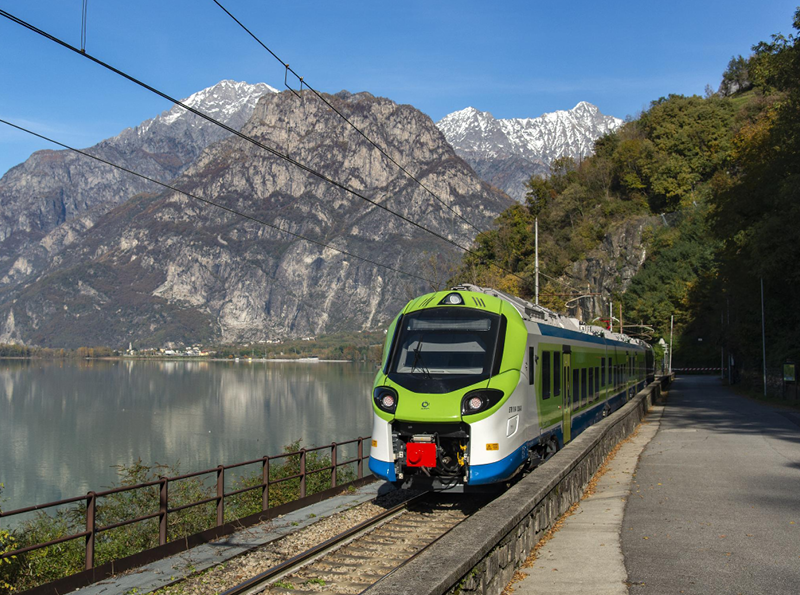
(481, 554)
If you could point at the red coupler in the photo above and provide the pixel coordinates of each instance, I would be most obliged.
(421, 454)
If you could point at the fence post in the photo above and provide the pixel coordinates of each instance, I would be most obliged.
(264, 483)
(302, 472)
(333, 464)
(360, 457)
(91, 508)
(163, 510)
(220, 495)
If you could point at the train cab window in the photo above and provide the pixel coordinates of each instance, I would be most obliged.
(557, 374)
(591, 384)
(602, 371)
(583, 386)
(440, 350)
(531, 367)
(546, 371)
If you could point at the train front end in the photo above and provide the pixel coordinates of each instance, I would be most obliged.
(448, 406)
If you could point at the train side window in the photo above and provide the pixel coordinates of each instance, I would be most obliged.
(602, 371)
(546, 374)
(557, 374)
(576, 396)
(591, 384)
(583, 386)
(531, 361)
(597, 382)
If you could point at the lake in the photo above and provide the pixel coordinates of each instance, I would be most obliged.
(65, 424)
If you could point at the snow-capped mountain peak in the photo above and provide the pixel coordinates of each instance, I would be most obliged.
(221, 101)
(516, 148)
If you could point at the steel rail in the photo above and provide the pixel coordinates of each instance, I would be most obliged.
(256, 583)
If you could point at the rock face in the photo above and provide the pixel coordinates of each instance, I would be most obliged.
(163, 267)
(50, 201)
(506, 153)
(609, 268)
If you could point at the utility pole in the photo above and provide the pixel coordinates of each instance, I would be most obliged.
(763, 338)
(728, 326)
(722, 347)
(671, 322)
(536, 242)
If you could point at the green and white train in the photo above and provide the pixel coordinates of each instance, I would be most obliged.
(477, 385)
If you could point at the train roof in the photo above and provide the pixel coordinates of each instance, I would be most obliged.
(549, 318)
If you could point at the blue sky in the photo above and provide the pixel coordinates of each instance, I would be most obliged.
(513, 59)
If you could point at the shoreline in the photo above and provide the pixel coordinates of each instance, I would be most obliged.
(170, 358)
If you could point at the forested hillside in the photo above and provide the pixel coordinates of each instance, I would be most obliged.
(719, 177)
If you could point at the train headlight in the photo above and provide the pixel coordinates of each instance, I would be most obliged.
(480, 400)
(452, 299)
(385, 399)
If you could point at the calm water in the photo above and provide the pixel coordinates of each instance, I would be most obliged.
(63, 425)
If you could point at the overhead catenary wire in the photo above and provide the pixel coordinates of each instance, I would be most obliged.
(322, 98)
(235, 132)
(253, 141)
(214, 203)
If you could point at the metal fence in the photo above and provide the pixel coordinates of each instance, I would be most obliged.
(92, 499)
(776, 388)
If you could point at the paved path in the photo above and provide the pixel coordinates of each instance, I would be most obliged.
(585, 555)
(713, 506)
(716, 500)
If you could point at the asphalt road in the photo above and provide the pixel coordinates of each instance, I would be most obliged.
(715, 502)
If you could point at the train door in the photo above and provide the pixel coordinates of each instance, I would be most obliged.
(531, 407)
(567, 408)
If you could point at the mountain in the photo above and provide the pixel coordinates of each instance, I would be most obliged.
(54, 197)
(161, 267)
(506, 153)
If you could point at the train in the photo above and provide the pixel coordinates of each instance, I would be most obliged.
(476, 386)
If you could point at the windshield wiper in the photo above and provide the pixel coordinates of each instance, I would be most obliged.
(418, 360)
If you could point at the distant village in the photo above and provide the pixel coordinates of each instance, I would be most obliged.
(197, 350)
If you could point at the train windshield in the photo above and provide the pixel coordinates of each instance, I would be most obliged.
(443, 349)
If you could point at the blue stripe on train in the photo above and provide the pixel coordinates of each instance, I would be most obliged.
(382, 469)
(505, 467)
(502, 469)
(591, 416)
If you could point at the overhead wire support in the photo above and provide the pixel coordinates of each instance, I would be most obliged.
(345, 118)
(213, 203)
(84, 13)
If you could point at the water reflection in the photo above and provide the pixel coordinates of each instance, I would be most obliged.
(63, 425)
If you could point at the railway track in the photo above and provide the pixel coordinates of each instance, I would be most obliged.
(359, 557)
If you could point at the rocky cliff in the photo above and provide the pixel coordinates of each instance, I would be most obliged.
(609, 268)
(161, 267)
(50, 201)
